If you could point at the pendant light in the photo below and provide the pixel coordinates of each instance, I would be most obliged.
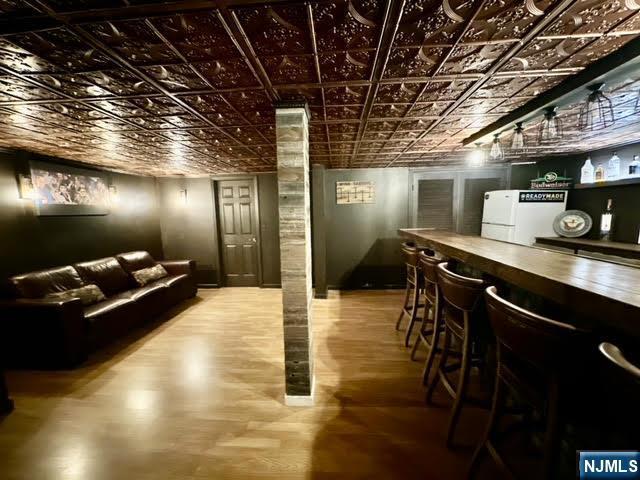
(597, 110)
(550, 128)
(496, 153)
(518, 141)
(476, 156)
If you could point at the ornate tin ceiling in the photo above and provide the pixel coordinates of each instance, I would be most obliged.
(187, 87)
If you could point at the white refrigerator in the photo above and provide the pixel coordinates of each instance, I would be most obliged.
(519, 216)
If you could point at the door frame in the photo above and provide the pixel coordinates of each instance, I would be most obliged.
(216, 179)
(458, 175)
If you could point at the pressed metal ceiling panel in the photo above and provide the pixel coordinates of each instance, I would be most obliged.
(187, 87)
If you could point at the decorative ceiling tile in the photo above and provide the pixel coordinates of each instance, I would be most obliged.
(275, 29)
(184, 92)
(348, 65)
(347, 25)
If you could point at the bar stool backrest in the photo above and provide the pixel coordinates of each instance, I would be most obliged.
(540, 341)
(616, 358)
(460, 292)
(429, 267)
(410, 254)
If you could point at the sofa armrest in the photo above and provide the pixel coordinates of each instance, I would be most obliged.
(179, 267)
(43, 332)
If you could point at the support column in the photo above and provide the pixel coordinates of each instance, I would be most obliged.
(292, 139)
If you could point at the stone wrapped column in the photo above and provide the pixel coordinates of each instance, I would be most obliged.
(292, 140)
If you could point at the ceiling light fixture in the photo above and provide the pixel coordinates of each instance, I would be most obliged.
(518, 141)
(550, 128)
(476, 156)
(597, 111)
(496, 153)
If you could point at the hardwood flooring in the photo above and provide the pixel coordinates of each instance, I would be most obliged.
(201, 396)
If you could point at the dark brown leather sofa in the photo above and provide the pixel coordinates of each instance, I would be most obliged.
(39, 332)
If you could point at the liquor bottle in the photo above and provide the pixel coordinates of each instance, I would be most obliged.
(600, 173)
(606, 221)
(613, 169)
(634, 167)
(586, 175)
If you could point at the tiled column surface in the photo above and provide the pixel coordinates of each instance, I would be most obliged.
(292, 135)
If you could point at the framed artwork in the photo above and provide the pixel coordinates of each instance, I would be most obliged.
(59, 190)
(348, 193)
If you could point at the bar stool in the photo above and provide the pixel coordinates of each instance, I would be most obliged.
(627, 369)
(463, 314)
(619, 389)
(535, 359)
(414, 285)
(432, 327)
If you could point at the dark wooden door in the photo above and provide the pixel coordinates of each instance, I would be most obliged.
(238, 232)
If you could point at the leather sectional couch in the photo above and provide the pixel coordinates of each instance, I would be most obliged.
(42, 332)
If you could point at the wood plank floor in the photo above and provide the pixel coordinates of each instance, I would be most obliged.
(201, 396)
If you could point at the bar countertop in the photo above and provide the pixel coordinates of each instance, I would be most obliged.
(606, 293)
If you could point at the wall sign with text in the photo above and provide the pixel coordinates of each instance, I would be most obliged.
(551, 180)
(355, 192)
(541, 197)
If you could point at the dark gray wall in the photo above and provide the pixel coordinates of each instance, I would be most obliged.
(363, 248)
(269, 229)
(189, 230)
(29, 242)
(593, 200)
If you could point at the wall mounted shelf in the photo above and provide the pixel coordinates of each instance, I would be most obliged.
(612, 183)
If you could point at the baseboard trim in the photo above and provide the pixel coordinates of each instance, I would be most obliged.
(271, 285)
(301, 400)
(208, 285)
(321, 296)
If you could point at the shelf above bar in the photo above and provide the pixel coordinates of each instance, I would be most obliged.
(609, 183)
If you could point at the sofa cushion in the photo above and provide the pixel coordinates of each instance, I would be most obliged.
(107, 273)
(109, 320)
(172, 280)
(88, 295)
(43, 282)
(132, 261)
(139, 293)
(107, 306)
(148, 275)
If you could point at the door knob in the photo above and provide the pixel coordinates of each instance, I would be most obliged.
(253, 239)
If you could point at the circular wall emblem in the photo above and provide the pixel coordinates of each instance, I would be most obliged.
(572, 223)
(550, 177)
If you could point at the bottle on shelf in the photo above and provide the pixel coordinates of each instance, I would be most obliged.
(606, 221)
(634, 167)
(586, 175)
(599, 173)
(613, 168)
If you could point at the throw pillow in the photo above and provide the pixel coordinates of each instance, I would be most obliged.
(88, 295)
(147, 275)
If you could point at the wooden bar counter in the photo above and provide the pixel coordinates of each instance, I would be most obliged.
(606, 294)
